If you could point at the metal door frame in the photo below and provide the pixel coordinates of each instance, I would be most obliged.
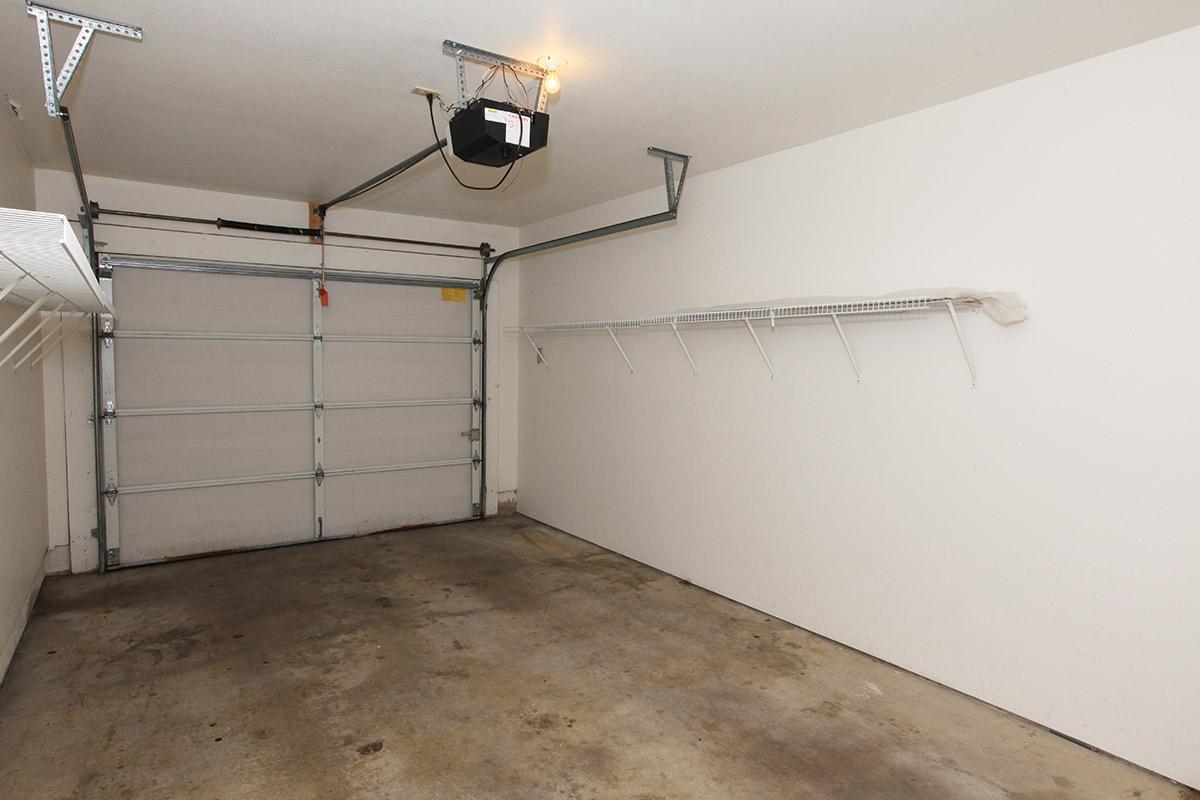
(111, 412)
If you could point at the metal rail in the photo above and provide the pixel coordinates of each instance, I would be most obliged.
(289, 337)
(381, 178)
(109, 261)
(674, 194)
(341, 337)
(170, 411)
(273, 477)
(284, 230)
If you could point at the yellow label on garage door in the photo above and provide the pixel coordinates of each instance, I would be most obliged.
(454, 295)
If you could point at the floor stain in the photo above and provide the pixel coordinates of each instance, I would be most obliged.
(498, 659)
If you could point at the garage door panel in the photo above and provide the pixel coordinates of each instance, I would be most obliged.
(360, 308)
(396, 371)
(161, 525)
(162, 372)
(357, 504)
(167, 449)
(184, 386)
(194, 301)
(376, 436)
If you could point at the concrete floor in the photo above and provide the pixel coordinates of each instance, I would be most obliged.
(500, 659)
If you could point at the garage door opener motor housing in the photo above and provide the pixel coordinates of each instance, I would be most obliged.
(496, 134)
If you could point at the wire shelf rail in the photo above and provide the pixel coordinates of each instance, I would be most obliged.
(768, 313)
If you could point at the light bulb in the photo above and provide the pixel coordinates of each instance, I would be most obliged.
(552, 64)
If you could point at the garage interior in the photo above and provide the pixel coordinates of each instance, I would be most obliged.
(599, 401)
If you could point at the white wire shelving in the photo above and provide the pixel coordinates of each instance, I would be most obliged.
(44, 269)
(765, 313)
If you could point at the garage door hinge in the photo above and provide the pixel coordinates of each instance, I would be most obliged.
(110, 492)
(318, 408)
(476, 402)
(476, 340)
(319, 474)
(112, 557)
(110, 413)
(476, 461)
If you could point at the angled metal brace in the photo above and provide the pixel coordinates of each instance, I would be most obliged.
(56, 86)
(541, 359)
(463, 53)
(962, 342)
(678, 338)
(8, 289)
(29, 312)
(761, 351)
(846, 344)
(674, 192)
(68, 326)
(619, 348)
(46, 319)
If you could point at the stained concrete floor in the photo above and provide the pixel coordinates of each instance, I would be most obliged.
(500, 659)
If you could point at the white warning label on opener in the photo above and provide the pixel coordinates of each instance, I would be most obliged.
(516, 126)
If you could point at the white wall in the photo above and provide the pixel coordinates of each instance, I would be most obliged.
(1033, 541)
(68, 386)
(22, 449)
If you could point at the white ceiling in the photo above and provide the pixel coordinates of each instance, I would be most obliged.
(302, 99)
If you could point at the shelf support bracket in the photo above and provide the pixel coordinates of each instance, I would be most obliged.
(619, 348)
(64, 329)
(962, 342)
(761, 351)
(846, 344)
(541, 359)
(29, 312)
(56, 86)
(678, 338)
(7, 290)
(16, 348)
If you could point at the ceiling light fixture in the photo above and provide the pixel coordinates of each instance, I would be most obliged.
(552, 64)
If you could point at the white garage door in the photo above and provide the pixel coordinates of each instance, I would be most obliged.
(240, 412)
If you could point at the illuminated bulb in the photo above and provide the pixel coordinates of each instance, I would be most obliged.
(552, 64)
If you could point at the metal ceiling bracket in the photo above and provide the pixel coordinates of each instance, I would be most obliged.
(962, 343)
(463, 53)
(674, 190)
(56, 87)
